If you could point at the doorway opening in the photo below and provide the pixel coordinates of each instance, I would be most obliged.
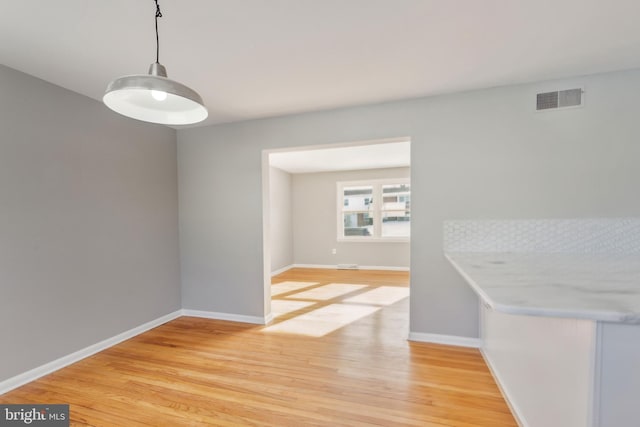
(336, 236)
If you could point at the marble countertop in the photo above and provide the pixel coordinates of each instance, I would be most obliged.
(596, 287)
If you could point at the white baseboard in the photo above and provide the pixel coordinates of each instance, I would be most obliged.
(269, 318)
(445, 339)
(60, 363)
(515, 411)
(360, 267)
(325, 266)
(227, 316)
(282, 270)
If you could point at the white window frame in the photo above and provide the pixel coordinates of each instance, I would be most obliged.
(377, 210)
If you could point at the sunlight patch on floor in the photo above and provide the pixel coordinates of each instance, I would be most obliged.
(280, 307)
(324, 320)
(284, 287)
(383, 295)
(326, 292)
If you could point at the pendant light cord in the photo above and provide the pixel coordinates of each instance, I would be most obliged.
(158, 15)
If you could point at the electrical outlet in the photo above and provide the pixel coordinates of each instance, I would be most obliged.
(334, 251)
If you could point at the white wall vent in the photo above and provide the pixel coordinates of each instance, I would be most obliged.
(569, 98)
(348, 267)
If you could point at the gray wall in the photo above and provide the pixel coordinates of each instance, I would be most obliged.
(480, 154)
(281, 220)
(88, 223)
(315, 222)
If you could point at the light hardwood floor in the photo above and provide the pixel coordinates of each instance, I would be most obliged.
(336, 355)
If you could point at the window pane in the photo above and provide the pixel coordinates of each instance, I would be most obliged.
(396, 224)
(357, 198)
(396, 197)
(358, 223)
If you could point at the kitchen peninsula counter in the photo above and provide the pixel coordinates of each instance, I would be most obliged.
(596, 287)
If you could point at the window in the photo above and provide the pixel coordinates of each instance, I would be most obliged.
(356, 212)
(374, 210)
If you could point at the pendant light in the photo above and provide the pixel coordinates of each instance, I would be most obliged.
(153, 97)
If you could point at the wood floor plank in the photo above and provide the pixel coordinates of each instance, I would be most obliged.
(318, 364)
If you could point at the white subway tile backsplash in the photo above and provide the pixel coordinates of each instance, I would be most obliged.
(581, 236)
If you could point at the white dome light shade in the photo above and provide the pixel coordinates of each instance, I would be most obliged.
(155, 99)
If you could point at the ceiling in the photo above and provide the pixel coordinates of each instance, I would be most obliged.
(372, 156)
(261, 58)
